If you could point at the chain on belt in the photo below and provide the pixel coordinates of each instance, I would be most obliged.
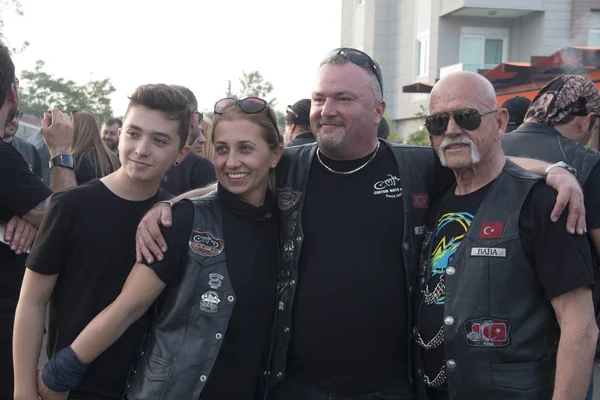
(439, 379)
(434, 343)
(432, 297)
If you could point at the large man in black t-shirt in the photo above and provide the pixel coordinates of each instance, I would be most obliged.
(476, 343)
(22, 198)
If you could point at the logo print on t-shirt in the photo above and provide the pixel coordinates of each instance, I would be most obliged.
(457, 224)
(205, 244)
(390, 187)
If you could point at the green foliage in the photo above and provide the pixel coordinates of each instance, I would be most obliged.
(16, 7)
(253, 85)
(419, 137)
(40, 91)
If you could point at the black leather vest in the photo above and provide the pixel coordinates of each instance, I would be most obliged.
(416, 172)
(543, 142)
(181, 348)
(500, 333)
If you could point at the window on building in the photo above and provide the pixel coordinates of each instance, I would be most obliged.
(483, 48)
(594, 26)
(594, 38)
(422, 56)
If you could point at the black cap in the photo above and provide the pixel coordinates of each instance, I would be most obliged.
(298, 113)
(383, 130)
(517, 108)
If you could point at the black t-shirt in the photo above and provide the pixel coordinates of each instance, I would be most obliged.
(194, 172)
(29, 153)
(251, 251)
(547, 245)
(350, 311)
(86, 169)
(20, 191)
(88, 239)
(591, 191)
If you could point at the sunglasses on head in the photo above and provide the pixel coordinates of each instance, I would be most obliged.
(249, 105)
(467, 118)
(359, 58)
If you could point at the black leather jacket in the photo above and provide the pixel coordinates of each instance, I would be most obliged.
(416, 171)
(543, 142)
(303, 138)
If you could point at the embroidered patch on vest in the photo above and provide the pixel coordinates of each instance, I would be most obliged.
(419, 230)
(209, 302)
(491, 230)
(420, 200)
(205, 244)
(215, 280)
(287, 198)
(488, 252)
(487, 332)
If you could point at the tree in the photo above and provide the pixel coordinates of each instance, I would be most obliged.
(41, 91)
(15, 6)
(419, 137)
(253, 85)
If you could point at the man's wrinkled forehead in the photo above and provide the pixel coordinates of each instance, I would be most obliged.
(334, 78)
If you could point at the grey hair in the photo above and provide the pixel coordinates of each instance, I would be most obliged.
(340, 59)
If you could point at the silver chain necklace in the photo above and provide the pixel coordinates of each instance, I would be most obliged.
(355, 169)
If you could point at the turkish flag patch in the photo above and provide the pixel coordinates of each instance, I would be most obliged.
(491, 230)
(420, 200)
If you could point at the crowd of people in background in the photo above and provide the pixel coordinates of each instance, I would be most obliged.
(217, 256)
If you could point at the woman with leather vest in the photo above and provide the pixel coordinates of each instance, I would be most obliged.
(216, 284)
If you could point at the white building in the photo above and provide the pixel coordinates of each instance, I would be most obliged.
(421, 40)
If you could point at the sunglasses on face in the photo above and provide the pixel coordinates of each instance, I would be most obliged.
(249, 105)
(17, 84)
(359, 58)
(467, 118)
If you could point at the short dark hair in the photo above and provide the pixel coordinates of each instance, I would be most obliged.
(189, 96)
(165, 98)
(7, 72)
(111, 121)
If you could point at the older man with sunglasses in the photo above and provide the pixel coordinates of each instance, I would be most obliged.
(353, 211)
(505, 305)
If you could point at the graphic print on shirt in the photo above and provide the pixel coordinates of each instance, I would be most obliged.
(389, 186)
(449, 233)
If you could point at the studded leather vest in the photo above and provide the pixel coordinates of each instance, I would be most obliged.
(180, 350)
(500, 333)
(543, 142)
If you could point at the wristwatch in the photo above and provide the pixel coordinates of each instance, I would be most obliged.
(561, 164)
(62, 160)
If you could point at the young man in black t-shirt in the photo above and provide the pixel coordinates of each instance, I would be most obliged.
(86, 247)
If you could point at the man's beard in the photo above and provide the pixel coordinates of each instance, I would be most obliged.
(475, 157)
(112, 146)
(12, 113)
(330, 144)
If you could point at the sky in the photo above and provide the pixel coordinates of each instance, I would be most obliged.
(200, 44)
